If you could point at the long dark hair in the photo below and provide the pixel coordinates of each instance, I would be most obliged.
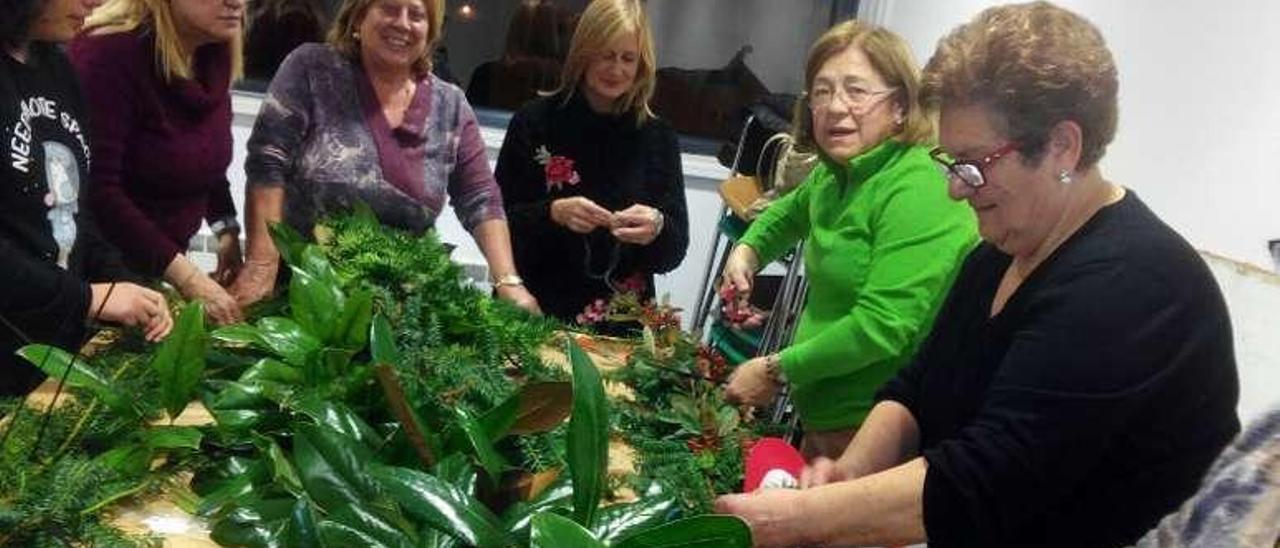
(19, 14)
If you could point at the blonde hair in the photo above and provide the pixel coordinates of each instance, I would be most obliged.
(1034, 65)
(352, 13)
(173, 61)
(601, 23)
(891, 57)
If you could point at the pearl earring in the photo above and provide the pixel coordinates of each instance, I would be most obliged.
(1064, 177)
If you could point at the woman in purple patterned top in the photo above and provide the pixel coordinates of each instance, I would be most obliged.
(362, 119)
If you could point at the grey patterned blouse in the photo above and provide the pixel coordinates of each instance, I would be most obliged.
(321, 134)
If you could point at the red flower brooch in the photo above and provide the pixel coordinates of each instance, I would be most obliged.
(558, 169)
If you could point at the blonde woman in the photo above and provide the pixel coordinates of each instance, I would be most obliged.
(157, 78)
(362, 118)
(591, 179)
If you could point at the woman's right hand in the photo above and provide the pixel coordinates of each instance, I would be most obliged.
(131, 305)
(580, 214)
(256, 280)
(740, 270)
(219, 305)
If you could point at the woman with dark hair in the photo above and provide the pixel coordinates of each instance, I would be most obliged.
(362, 119)
(1079, 379)
(48, 239)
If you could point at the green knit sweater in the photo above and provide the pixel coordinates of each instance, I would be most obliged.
(884, 243)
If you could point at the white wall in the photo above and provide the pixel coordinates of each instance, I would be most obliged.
(1199, 134)
(1199, 138)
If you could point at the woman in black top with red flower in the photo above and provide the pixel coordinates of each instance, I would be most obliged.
(591, 180)
(48, 240)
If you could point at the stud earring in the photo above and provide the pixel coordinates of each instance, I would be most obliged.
(1064, 177)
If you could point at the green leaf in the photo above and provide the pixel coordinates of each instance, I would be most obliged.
(370, 524)
(332, 467)
(588, 442)
(457, 470)
(315, 304)
(441, 506)
(288, 242)
(479, 444)
(180, 359)
(622, 520)
(557, 497)
(497, 422)
(54, 362)
(333, 533)
(709, 531)
(338, 416)
(352, 332)
(285, 338)
(727, 420)
(240, 334)
(172, 437)
(382, 342)
(553, 531)
(301, 529)
(258, 523)
(282, 471)
(271, 369)
(129, 459)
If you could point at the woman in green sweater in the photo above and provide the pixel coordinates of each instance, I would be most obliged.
(884, 241)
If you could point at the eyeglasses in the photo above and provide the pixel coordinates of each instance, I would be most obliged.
(856, 97)
(969, 172)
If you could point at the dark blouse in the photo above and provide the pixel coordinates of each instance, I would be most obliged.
(160, 149)
(1090, 406)
(48, 237)
(616, 165)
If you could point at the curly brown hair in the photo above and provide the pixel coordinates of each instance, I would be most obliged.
(1034, 65)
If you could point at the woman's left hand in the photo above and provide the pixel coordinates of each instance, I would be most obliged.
(751, 384)
(519, 296)
(229, 259)
(638, 224)
(774, 515)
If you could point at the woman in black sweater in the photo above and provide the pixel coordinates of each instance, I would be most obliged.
(1079, 378)
(591, 181)
(48, 240)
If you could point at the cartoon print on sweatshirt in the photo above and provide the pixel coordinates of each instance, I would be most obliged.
(62, 199)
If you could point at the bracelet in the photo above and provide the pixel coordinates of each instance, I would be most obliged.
(773, 368)
(507, 280)
(224, 225)
(659, 221)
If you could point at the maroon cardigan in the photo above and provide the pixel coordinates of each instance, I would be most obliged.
(160, 149)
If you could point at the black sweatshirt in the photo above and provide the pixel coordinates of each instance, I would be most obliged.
(1090, 406)
(618, 165)
(48, 240)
